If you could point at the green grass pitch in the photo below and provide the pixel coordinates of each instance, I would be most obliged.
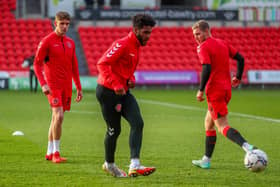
(173, 136)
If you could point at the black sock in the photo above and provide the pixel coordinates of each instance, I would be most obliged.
(233, 135)
(210, 142)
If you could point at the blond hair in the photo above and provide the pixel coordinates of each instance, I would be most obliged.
(202, 25)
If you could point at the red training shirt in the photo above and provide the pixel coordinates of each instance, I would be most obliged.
(61, 65)
(217, 52)
(119, 62)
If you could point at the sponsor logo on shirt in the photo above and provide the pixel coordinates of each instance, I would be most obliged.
(113, 50)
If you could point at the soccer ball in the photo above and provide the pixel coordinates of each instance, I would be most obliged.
(256, 160)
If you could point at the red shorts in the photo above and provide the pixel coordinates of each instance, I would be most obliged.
(217, 103)
(60, 97)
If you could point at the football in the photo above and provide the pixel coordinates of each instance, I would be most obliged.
(256, 160)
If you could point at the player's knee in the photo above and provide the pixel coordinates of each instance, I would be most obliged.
(113, 132)
(58, 117)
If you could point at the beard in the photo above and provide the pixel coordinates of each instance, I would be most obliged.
(140, 39)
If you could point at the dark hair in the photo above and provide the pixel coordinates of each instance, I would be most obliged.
(61, 15)
(141, 20)
(202, 25)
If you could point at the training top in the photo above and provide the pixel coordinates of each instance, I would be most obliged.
(217, 53)
(56, 63)
(118, 63)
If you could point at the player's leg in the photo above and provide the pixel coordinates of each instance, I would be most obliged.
(58, 116)
(131, 112)
(112, 120)
(56, 102)
(49, 154)
(112, 116)
(111, 111)
(210, 142)
(232, 134)
(219, 115)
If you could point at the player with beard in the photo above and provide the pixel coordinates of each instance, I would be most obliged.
(116, 76)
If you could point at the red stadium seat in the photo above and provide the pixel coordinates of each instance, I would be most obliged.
(173, 48)
(18, 39)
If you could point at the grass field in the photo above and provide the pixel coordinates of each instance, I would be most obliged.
(173, 136)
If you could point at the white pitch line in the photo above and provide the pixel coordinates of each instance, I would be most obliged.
(200, 109)
(172, 105)
(255, 117)
(184, 107)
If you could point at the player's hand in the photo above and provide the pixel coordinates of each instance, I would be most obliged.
(235, 82)
(130, 83)
(46, 90)
(120, 91)
(199, 96)
(79, 95)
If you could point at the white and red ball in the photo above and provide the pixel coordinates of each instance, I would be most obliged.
(256, 160)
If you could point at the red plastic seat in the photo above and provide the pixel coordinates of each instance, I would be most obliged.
(172, 48)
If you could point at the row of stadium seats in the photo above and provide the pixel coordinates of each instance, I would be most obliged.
(5, 8)
(18, 38)
(9, 5)
(170, 48)
(174, 48)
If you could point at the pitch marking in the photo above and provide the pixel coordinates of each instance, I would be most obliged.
(184, 107)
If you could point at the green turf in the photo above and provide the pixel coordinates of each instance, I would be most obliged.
(173, 136)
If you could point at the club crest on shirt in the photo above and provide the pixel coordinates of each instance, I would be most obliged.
(118, 107)
(68, 44)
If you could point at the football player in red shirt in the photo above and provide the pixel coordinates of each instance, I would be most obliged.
(116, 76)
(214, 55)
(55, 65)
